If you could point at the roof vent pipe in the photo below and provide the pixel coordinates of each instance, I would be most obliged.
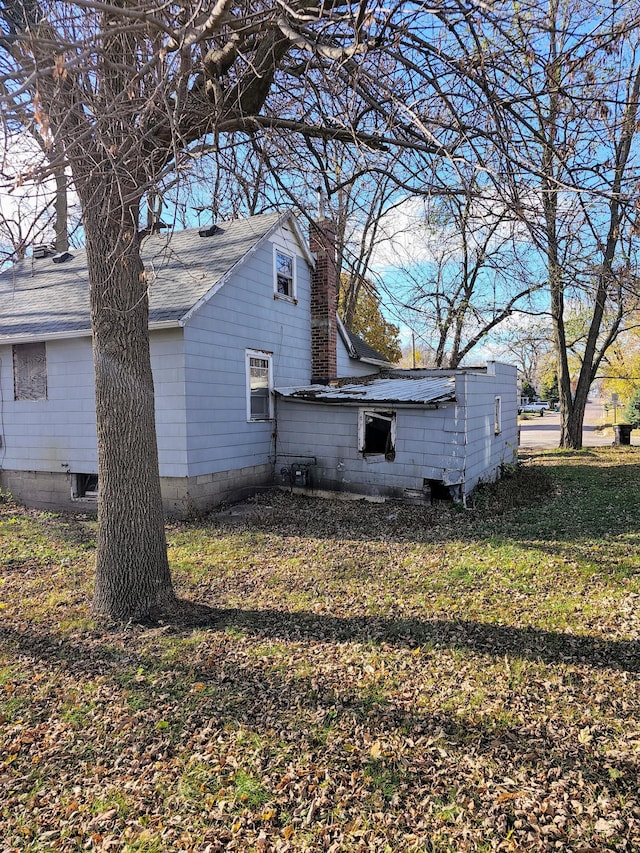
(43, 250)
(210, 231)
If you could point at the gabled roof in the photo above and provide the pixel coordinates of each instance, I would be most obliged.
(424, 391)
(40, 299)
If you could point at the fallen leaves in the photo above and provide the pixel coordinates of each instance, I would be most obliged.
(415, 680)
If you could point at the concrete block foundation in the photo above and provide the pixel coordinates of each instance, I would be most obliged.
(182, 497)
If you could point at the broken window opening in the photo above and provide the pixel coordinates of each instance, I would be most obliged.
(378, 434)
(84, 487)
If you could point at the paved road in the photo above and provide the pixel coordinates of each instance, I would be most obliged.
(545, 431)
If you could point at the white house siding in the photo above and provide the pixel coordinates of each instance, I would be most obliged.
(167, 364)
(429, 446)
(36, 433)
(243, 314)
(487, 452)
(352, 367)
(43, 441)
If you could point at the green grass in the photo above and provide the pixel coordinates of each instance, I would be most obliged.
(373, 676)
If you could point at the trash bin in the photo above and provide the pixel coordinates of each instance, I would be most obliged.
(622, 434)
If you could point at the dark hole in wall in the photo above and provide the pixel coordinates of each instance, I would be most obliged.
(378, 434)
(84, 486)
(439, 492)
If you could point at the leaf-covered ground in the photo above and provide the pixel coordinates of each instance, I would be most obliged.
(367, 677)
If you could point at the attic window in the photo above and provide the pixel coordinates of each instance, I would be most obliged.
(377, 433)
(284, 275)
(30, 371)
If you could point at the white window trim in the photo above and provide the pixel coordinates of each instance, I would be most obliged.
(268, 357)
(497, 415)
(362, 413)
(293, 296)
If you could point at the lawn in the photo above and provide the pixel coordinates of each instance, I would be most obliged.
(361, 677)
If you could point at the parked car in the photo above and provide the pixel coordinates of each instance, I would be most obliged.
(537, 406)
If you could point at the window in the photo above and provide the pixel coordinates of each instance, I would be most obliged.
(84, 486)
(497, 416)
(284, 275)
(30, 372)
(259, 386)
(377, 434)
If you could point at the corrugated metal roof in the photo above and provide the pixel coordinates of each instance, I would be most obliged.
(39, 298)
(426, 391)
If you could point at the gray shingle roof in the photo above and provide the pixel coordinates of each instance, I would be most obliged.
(426, 391)
(40, 299)
(364, 350)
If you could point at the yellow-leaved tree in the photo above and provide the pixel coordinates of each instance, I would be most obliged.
(368, 321)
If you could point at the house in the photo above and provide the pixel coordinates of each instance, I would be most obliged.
(245, 342)
(412, 434)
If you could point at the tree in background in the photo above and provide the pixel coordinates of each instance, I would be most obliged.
(564, 82)
(621, 367)
(549, 385)
(465, 271)
(632, 411)
(526, 341)
(368, 322)
(32, 213)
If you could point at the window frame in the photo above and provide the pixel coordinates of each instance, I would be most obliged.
(42, 392)
(385, 414)
(497, 415)
(289, 297)
(263, 356)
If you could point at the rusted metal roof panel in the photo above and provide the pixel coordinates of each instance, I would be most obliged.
(424, 391)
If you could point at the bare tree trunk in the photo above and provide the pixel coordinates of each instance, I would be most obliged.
(132, 571)
(61, 224)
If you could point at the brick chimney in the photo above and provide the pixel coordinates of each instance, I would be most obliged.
(324, 302)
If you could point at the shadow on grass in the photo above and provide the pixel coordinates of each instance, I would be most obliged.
(240, 693)
(488, 639)
(494, 640)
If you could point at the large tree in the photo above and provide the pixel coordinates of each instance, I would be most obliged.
(121, 92)
(562, 84)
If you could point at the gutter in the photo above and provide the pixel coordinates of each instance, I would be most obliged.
(72, 334)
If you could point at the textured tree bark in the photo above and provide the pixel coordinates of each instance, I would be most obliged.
(61, 224)
(132, 571)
